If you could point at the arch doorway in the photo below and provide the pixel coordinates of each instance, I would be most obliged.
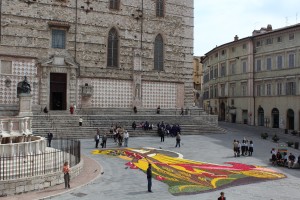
(275, 118)
(261, 115)
(222, 111)
(290, 119)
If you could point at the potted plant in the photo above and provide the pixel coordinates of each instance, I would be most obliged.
(275, 138)
(289, 143)
(264, 135)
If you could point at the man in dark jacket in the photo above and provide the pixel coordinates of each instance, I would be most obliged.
(149, 177)
(49, 138)
(222, 197)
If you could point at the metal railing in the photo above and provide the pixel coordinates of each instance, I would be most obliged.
(36, 164)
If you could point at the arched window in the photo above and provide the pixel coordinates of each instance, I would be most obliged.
(114, 4)
(160, 8)
(112, 48)
(159, 53)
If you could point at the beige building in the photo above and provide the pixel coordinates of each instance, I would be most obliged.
(256, 80)
(110, 53)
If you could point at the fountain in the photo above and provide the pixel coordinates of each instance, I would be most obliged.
(15, 132)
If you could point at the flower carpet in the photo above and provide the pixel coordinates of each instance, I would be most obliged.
(185, 176)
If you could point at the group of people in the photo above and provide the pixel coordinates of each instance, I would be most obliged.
(144, 125)
(119, 134)
(283, 159)
(167, 129)
(97, 139)
(245, 148)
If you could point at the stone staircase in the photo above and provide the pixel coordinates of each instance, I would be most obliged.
(63, 124)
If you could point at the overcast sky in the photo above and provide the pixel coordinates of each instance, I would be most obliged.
(218, 21)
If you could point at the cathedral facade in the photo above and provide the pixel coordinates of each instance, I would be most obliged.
(98, 53)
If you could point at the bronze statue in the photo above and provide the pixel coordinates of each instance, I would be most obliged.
(23, 87)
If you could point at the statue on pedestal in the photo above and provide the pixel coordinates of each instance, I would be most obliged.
(23, 87)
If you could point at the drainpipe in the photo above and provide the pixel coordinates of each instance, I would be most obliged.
(75, 49)
(142, 25)
(253, 88)
(0, 21)
(75, 45)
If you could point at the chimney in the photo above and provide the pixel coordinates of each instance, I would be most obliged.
(269, 27)
(236, 38)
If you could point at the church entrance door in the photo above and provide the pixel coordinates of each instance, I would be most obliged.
(58, 91)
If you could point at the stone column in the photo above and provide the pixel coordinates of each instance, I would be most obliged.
(10, 126)
(137, 78)
(137, 90)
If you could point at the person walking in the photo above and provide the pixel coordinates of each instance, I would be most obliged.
(178, 139)
(126, 137)
(97, 138)
(80, 121)
(222, 197)
(149, 177)
(72, 109)
(104, 138)
(49, 138)
(66, 171)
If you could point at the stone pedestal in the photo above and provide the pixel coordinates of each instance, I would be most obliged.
(25, 105)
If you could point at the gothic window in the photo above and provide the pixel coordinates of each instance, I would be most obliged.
(158, 53)
(58, 39)
(114, 4)
(160, 8)
(112, 48)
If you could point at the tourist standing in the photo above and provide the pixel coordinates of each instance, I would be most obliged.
(222, 197)
(158, 110)
(126, 137)
(49, 138)
(149, 177)
(178, 139)
(66, 171)
(104, 138)
(97, 138)
(133, 125)
(250, 148)
(162, 134)
(80, 121)
(235, 148)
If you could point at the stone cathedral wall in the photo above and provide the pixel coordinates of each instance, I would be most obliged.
(26, 31)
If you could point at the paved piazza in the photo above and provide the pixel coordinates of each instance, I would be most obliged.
(121, 182)
(123, 178)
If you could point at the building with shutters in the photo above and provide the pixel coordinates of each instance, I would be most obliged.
(256, 80)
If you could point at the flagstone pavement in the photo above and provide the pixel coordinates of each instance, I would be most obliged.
(108, 178)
